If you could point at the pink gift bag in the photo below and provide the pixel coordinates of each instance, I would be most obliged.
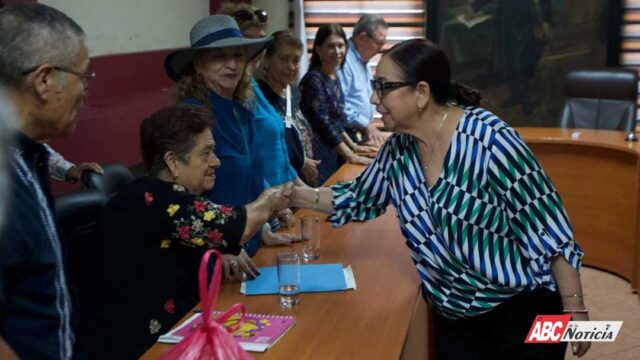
(212, 341)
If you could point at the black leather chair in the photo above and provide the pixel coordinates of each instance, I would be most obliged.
(601, 99)
(78, 214)
(116, 177)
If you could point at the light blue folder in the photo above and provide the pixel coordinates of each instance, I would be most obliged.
(313, 278)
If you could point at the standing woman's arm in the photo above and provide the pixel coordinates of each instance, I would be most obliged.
(364, 198)
(570, 287)
(319, 199)
(539, 222)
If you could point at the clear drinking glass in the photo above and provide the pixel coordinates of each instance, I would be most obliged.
(309, 226)
(288, 279)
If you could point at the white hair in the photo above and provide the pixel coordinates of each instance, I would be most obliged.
(32, 35)
(369, 24)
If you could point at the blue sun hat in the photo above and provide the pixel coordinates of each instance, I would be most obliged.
(212, 32)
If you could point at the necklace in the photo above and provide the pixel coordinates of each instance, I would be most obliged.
(435, 143)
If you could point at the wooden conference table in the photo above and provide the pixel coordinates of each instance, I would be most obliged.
(385, 318)
(597, 174)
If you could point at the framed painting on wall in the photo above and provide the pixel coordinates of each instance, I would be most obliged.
(518, 52)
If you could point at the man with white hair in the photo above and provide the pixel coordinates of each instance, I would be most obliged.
(44, 64)
(368, 39)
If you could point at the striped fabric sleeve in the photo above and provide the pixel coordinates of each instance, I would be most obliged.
(58, 165)
(537, 218)
(364, 198)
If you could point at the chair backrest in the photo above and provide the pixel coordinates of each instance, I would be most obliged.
(78, 214)
(601, 99)
(116, 177)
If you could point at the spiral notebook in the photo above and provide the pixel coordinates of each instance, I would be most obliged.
(257, 334)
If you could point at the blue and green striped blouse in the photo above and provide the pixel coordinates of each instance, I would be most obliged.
(486, 230)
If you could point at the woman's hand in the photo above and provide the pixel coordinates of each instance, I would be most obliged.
(277, 197)
(580, 348)
(575, 302)
(75, 172)
(274, 239)
(570, 288)
(286, 217)
(376, 138)
(359, 160)
(235, 266)
(365, 149)
(310, 170)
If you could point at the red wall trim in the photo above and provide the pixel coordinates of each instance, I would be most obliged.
(118, 75)
(127, 89)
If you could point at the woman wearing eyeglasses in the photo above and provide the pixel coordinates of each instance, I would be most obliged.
(485, 227)
(322, 104)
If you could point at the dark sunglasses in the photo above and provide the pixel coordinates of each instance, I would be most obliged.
(244, 15)
(379, 86)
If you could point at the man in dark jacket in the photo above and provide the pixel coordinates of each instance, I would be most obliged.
(44, 64)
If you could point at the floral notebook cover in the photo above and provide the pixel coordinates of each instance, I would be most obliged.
(258, 333)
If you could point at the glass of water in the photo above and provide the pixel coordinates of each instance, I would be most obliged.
(288, 279)
(309, 226)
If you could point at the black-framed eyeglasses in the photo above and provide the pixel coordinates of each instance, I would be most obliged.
(245, 15)
(379, 86)
(85, 77)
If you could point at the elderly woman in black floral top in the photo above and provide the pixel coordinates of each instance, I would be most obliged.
(155, 231)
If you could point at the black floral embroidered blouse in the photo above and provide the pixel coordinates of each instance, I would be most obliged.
(146, 264)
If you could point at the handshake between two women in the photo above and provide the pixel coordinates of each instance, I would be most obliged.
(271, 204)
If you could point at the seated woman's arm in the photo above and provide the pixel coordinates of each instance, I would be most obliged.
(349, 156)
(198, 222)
(314, 104)
(357, 148)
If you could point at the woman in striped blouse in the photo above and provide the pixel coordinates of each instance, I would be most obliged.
(485, 227)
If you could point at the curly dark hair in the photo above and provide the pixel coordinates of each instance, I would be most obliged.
(172, 128)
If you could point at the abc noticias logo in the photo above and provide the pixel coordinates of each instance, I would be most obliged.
(551, 329)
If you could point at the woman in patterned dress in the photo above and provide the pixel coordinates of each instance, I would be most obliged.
(155, 231)
(322, 103)
(485, 227)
